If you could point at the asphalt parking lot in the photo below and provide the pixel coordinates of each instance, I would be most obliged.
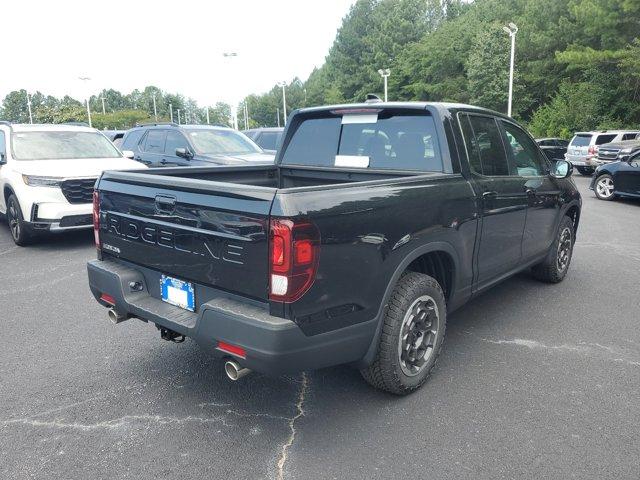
(535, 381)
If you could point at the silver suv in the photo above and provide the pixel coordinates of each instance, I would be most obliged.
(583, 148)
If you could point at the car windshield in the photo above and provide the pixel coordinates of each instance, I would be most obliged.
(221, 142)
(61, 145)
(581, 141)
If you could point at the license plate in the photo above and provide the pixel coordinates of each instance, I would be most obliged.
(177, 292)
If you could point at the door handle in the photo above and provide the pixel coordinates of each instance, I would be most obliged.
(490, 194)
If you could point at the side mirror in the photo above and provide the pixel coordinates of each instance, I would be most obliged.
(561, 169)
(184, 153)
(128, 154)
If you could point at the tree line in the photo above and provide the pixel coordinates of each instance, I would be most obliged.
(577, 67)
(120, 110)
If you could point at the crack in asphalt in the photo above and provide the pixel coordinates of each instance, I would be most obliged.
(292, 426)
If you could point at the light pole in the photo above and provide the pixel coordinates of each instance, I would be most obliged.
(104, 112)
(511, 30)
(29, 108)
(384, 73)
(208, 116)
(278, 116)
(178, 116)
(284, 101)
(86, 79)
(171, 112)
(155, 110)
(234, 105)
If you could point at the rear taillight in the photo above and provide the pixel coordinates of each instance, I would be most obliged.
(593, 150)
(294, 248)
(96, 218)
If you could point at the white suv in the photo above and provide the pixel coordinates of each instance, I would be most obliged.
(47, 174)
(583, 148)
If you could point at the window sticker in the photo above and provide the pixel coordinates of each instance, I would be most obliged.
(355, 161)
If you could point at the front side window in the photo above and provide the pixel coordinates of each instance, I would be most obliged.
(523, 151)
(221, 142)
(484, 145)
(60, 145)
(629, 136)
(3, 148)
(386, 140)
(175, 140)
(154, 143)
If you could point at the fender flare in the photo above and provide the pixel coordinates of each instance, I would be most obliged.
(400, 269)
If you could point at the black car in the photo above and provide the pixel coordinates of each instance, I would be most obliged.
(170, 144)
(376, 221)
(554, 148)
(267, 138)
(620, 178)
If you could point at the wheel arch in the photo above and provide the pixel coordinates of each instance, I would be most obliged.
(442, 257)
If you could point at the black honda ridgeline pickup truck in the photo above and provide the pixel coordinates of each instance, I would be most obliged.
(376, 221)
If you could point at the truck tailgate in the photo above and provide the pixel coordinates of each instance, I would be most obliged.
(206, 232)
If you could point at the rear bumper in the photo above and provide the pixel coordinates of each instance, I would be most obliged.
(580, 161)
(273, 345)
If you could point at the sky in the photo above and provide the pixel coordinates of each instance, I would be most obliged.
(177, 46)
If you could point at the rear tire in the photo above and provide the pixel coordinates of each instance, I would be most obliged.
(586, 171)
(555, 266)
(413, 330)
(20, 231)
(604, 187)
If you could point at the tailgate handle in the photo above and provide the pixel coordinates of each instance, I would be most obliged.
(165, 204)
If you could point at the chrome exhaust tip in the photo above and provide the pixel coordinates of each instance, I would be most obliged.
(234, 371)
(116, 317)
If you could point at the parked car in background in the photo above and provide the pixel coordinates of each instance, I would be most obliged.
(114, 135)
(611, 152)
(267, 138)
(621, 178)
(584, 146)
(47, 175)
(376, 222)
(170, 144)
(554, 148)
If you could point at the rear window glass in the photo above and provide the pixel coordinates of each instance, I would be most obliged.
(602, 139)
(394, 141)
(269, 140)
(581, 141)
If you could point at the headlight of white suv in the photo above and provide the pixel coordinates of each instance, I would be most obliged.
(34, 181)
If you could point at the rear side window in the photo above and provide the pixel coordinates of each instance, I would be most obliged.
(154, 143)
(388, 140)
(602, 139)
(485, 148)
(132, 139)
(581, 141)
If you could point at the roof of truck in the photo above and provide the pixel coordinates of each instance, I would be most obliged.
(413, 105)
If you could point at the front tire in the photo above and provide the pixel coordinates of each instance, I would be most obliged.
(413, 331)
(555, 266)
(20, 230)
(604, 187)
(586, 171)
